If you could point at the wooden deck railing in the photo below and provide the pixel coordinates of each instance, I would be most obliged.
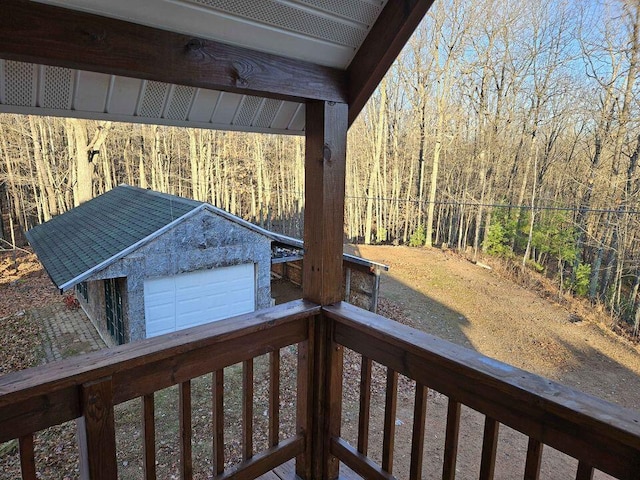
(598, 434)
(88, 387)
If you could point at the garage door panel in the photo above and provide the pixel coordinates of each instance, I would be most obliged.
(187, 300)
(162, 320)
(155, 288)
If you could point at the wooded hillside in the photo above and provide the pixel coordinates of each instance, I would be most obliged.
(506, 126)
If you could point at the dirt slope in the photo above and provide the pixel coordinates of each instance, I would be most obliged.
(452, 298)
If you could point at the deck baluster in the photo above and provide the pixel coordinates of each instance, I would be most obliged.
(274, 398)
(218, 421)
(489, 448)
(451, 440)
(365, 405)
(149, 446)
(390, 404)
(186, 459)
(27, 459)
(417, 437)
(585, 471)
(534, 458)
(247, 409)
(304, 401)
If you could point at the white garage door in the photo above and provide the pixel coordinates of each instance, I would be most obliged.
(190, 299)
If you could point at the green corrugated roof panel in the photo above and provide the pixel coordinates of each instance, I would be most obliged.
(73, 243)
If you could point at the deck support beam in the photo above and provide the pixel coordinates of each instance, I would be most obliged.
(51, 35)
(383, 44)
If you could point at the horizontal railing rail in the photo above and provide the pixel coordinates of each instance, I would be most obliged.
(87, 387)
(600, 435)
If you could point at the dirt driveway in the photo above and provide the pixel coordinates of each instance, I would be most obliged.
(444, 294)
(450, 297)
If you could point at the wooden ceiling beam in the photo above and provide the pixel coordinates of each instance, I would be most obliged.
(383, 44)
(50, 35)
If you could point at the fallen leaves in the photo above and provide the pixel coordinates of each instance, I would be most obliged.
(20, 340)
(24, 287)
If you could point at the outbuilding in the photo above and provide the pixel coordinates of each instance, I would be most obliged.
(146, 263)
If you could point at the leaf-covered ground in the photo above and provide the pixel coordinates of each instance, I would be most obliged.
(434, 291)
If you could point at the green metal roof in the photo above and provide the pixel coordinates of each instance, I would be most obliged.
(73, 244)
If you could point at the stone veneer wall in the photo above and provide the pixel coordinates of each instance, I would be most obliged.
(204, 241)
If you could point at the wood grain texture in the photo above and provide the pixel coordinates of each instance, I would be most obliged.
(274, 398)
(50, 35)
(451, 440)
(96, 432)
(325, 163)
(149, 442)
(365, 405)
(27, 458)
(43, 405)
(582, 426)
(184, 407)
(385, 40)
(417, 434)
(389, 429)
(534, 459)
(489, 448)
(247, 409)
(34, 399)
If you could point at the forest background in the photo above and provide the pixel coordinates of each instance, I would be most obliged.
(506, 127)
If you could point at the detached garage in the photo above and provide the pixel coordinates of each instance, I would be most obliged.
(145, 263)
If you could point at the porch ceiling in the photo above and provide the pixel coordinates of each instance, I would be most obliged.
(324, 32)
(223, 64)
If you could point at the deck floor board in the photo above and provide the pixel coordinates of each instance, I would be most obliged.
(287, 471)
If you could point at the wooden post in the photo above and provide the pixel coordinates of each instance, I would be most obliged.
(96, 432)
(325, 165)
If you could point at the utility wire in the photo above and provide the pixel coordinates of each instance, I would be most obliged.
(574, 209)
(499, 205)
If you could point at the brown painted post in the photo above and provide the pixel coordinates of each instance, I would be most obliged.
(96, 432)
(325, 164)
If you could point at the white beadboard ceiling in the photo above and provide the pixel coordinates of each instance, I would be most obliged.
(325, 32)
(44, 90)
